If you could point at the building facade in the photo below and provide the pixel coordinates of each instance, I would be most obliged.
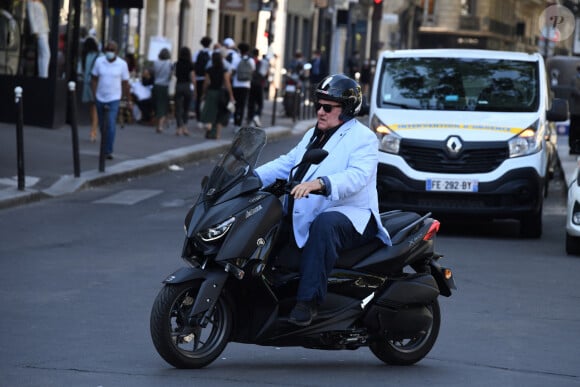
(278, 28)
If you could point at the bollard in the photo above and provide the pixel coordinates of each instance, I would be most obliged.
(74, 128)
(295, 105)
(19, 137)
(274, 107)
(104, 135)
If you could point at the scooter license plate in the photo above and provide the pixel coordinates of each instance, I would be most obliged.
(451, 185)
(290, 88)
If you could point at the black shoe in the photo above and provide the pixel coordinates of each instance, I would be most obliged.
(303, 313)
(109, 156)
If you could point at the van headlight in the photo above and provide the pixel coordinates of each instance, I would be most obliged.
(389, 141)
(527, 142)
(216, 231)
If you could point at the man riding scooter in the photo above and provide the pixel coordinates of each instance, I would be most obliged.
(346, 215)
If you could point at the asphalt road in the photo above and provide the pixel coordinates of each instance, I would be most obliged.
(78, 276)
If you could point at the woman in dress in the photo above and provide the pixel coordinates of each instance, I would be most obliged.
(162, 71)
(90, 52)
(217, 92)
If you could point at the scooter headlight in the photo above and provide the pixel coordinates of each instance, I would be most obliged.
(217, 231)
(527, 142)
(389, 141)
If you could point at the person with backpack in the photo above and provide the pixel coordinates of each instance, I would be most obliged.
(256, 96)
(201, 61)
(244, 67)
(231, 54)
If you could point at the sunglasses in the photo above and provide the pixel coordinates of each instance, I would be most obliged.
(325, 106)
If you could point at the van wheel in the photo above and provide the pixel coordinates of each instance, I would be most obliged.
(572, 245)
(531, 225)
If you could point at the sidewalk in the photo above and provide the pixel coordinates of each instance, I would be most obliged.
(48, 155)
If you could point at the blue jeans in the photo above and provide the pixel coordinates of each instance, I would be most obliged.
(330, 233)
(111, 122)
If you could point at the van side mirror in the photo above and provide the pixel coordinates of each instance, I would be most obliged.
(558, 111)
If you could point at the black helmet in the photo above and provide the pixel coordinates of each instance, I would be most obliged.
(344, 90)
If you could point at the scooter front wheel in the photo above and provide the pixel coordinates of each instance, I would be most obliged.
(412, 349)
(183, 345)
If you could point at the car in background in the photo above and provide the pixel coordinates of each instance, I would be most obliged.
(464, 133)
(573, 215)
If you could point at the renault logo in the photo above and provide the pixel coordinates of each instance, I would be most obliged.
(454, 145)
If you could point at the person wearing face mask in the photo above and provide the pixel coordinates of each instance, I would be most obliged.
(110, 83)
(346, 213)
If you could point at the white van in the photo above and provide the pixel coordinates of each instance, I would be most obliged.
(463, 133)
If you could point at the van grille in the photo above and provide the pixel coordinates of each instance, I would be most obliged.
(433, 156)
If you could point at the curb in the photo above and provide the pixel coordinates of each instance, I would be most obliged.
(68, 184)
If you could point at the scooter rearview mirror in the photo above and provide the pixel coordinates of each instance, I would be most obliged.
(312, 156)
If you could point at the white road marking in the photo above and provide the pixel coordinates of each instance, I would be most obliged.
(129, 197)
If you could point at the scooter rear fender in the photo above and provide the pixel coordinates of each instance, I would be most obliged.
(445, 285)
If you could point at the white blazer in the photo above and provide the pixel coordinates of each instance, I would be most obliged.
(351, 167)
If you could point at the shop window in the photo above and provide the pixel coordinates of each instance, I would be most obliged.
(9, 43)
(467, 7)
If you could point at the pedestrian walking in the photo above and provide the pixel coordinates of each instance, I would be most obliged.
(256, 96)
(319, 69)
(243, 68)
(354, 66)
(217, 95)
(185, 78)
(110, 83)
(231, 54)
(90, 53)
(366, 77)
(162, 71)
(201, 62)
(39, 27)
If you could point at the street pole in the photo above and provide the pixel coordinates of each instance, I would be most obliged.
(19, 138)
(74, 128)
(376, 27)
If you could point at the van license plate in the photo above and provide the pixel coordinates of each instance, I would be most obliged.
(451, 185)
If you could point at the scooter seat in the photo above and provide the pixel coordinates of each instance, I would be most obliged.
(393, 221)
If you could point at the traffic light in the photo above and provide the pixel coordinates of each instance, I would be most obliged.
(269, 33)
(377, 9)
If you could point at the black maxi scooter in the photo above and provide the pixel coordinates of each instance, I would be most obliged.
(241, 279)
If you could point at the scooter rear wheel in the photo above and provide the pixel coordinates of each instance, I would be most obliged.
(183, 345)
(410, 350)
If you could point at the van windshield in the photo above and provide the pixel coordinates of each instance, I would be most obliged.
(458, 84)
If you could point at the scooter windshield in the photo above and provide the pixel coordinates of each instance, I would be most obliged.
(240, 159)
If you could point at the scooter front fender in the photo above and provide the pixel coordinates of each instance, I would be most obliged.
(211, 286)
(185, 274)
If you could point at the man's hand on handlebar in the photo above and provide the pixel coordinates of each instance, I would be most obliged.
(303, 189)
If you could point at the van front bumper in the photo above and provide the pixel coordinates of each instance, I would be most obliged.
(517, 193)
